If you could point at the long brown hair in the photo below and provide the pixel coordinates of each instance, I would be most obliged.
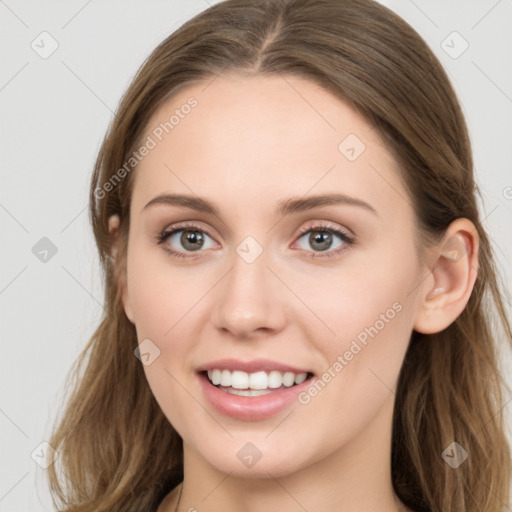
(117, 449)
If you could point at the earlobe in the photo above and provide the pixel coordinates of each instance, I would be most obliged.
(120, 270)
(453, 274)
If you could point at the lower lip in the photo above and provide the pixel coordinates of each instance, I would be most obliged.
(251, 408)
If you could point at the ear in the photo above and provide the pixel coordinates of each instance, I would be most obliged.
(120, 269)
(454, 270)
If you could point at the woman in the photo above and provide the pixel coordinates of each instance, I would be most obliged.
(299, 288)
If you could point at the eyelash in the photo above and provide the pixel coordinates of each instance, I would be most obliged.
(348, 240)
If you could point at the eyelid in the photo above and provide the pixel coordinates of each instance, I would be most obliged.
(183, 226)
(164, 234)
(325, 225)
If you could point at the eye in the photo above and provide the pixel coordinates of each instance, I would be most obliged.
(185, 239)
(322, 239)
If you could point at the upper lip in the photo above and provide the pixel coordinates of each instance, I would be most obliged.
(253, 366)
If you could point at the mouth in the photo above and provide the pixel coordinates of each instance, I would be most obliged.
(252, 390)
(241, 383)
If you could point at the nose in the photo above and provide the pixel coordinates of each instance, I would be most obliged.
(249, 301)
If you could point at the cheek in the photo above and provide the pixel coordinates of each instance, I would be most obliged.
(160, 294)
(371, 289)
(370, 313)
(165, 305)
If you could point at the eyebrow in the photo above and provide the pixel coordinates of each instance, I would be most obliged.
(286, 207)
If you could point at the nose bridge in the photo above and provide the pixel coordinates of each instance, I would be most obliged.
(248, 299)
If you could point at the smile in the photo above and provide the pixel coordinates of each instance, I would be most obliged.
(259, 383)
(252, 390)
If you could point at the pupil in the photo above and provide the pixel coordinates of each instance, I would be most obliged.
(192, 240)
(323, 238)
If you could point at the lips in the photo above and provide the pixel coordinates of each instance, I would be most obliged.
(252, 390)
(256, 365)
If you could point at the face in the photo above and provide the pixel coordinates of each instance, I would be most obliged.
(308, 303)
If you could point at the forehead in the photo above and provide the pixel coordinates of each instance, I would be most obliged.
(263, 137)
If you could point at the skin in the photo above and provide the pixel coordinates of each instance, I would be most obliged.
(250, 143)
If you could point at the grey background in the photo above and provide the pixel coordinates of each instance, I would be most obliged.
(54, 114)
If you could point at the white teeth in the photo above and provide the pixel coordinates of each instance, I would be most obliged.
(239, 380)
(275, 379)
(225, 378)
(215, 376)
(289, 379)
(300, 378)
(248, 392)
(257, 382)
